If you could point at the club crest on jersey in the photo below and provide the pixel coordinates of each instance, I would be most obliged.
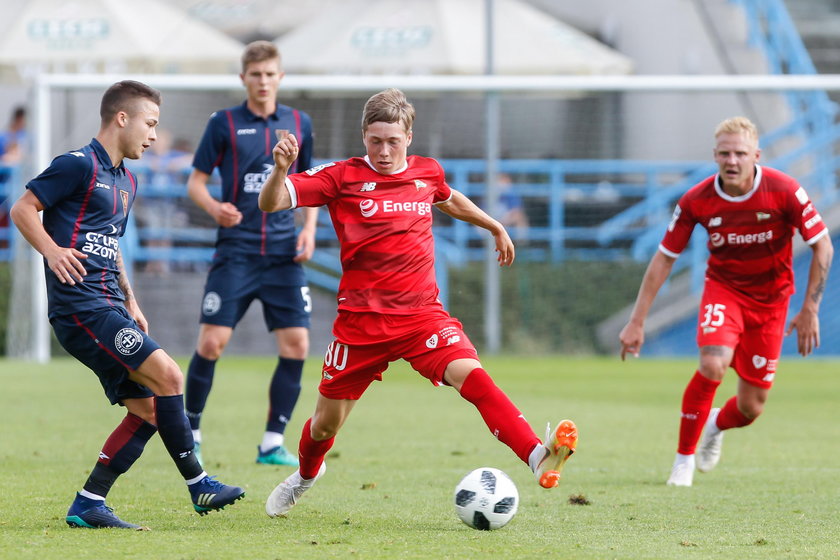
(761, 216)
(124, 197)
(367, 187)
(128, 341)
(420, 184)
(432, 341)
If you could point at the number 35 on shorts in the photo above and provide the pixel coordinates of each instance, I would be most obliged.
(713, 315)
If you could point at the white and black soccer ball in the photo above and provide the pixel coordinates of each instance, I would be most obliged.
(486, 499)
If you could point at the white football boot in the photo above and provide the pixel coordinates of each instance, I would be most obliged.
(682, 473)
(287, 493)
(711, 444)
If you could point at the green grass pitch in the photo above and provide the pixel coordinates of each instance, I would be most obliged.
(391, 475)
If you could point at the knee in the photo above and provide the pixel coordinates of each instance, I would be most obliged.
(170, 381)
(320, 431)
(296, 346)
(712, 368)
(751, 409)
(210, 348)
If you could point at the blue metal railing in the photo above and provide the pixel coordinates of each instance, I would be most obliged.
(8, 181)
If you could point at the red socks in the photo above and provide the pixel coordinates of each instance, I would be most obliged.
(501, 416)
(730, 417)
(696, 404)
(311, 453)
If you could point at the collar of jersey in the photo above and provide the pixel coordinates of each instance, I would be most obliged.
(251, 116)
(743, 197)
(103, 156)
(400, 170)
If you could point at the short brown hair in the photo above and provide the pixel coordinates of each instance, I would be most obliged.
(388, 106)
(122, 95)
(257, 51)
(738, 125)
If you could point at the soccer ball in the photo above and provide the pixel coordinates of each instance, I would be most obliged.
(486, 499)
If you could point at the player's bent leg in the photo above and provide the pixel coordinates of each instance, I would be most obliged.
(548, 459)
(94, 514)
(501, 416)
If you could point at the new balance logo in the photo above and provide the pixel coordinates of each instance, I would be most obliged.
(103, 456)
(760, 216)
(204, 499)
(715, 222)
(367, 187)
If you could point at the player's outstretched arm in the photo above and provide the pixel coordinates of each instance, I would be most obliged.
(274, 194)
(632, 336)
(225, 213)
(462, 208)
(63, 261)
(806, 322)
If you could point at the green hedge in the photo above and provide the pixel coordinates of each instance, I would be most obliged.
(547, 308)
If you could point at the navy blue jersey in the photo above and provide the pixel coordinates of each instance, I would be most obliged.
(239, 143)
(86, 203)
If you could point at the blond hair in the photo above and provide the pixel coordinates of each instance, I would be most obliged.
(389, 106)
(738, 125)
(259, 51)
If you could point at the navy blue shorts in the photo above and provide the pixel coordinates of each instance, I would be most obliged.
(109, 342)
(233, 283)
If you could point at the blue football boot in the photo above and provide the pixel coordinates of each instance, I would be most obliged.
(209, 494)
(94, 514)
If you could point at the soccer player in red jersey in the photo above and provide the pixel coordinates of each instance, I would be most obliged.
(750, 213)
(388, 307)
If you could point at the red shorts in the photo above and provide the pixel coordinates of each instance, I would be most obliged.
(427, 341)
(754, 330)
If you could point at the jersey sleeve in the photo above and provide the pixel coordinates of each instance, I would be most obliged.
(443, 191)
(805, 217)
(210, 149)
(62, 178)
(316, 186)
(679, 229)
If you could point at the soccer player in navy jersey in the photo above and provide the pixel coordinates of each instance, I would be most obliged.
(258, 255)
(388, 306)
(86, 196)
(750, 213)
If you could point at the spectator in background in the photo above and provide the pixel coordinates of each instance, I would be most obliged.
(168, 166)
(13, 141)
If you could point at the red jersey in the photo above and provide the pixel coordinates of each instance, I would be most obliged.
(750, 236)
(384, 226)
